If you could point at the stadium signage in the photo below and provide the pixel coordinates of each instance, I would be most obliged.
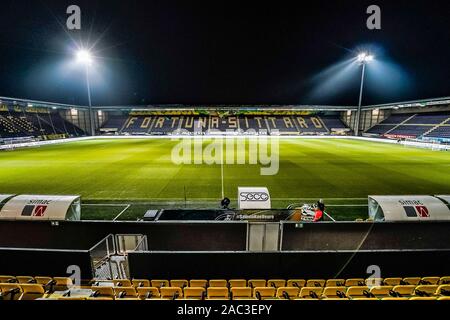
(253, 198)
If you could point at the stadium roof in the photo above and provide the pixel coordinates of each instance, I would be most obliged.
(445, 101)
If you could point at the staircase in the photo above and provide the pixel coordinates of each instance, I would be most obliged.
(437, 126)
(400, 124)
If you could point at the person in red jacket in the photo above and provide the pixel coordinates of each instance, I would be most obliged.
(319, 211)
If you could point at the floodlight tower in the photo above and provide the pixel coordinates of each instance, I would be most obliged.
(85, 57)
(363, 59)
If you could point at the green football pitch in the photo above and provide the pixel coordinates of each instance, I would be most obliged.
(141, 172)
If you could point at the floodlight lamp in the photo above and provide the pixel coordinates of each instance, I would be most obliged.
(365, 57)
(84, 56)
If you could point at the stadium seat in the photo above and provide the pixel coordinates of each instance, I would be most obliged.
(444, 298)
(242, 293)
(374, 282)
(404, 290)
(10, 291)
(125, 293)
(256, 283)
(198, 283)
(443, 290)
(315, 283)
(102, 292)
(395, 298)
(430, 280)
(122, 283)
(62, 283)
(359, 292)
(218, 283)
(392, 281)
(299, 283)
(194, 293)
(160, 283)
(276, 283)
(179, 283)
(32, 291)
(444, 280)
(7, 279)
(288, 293)
(140, 283)
(381, 291)
(148, 293)
(426, 290)
(170, 293)
(237, 283)
(334, 292)
(423, 298)
(217, 293)
(310, 292)
(354, 282)
(25, 279)
(263, 293)
(335, 283)
(411, 280)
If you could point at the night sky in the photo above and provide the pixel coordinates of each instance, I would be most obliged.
(224, 52)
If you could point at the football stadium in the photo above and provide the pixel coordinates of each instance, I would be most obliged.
(204, 201)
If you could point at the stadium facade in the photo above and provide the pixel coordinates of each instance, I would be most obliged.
(421, 119)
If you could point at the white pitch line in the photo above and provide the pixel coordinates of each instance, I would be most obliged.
(126, 208)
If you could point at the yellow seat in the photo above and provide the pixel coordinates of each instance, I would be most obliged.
(198, 283)
(262, 293)
(430, 280)
(426, 290)
(72, 298)
(381, 291)
(122, 283)
(45, 281)
(311, 292)
(443, 290)
(241, 293)
(160, 283)
(148, 292)
(359, 292)
(444, 280)
(423, 298)
(334, 292)
(25, 279)
(62, 283)
(373, 282)
(32, 291)
(355, 282)
(180, 283)
(392, 281)
(365, 299)
(218, 293)
(315, 283)
(404, 290)
(239, 283)
(10, 291)
(194, 293)
(102, 292)
(276, 283)
(7, 279)
(141, 283)
(288, 293)
(125, 293)
(412, 280)
(218, 283)
(299, 283)
(253, 283)
(444, 298)
(394, 298)
(171, 293)
(335, 283)
(100, 298)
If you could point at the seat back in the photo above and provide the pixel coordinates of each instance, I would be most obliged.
(25, 279)
(253, 283)
(10, 291)
(335, 283)
(125, 292)
(264, 292)
(334, 292)
(32, 291)
(381, 291)
(299, 283)
(171, 293)
(148, 292)
(198, 283)
(355, 282)
(444, 280)
(221, 293)
(122, 283)
(411, 280)
(404, 290)
(241, 292)
(315, 283)
(358, 292)
(7, 279)
(160, 283)
(239, 283)
(141, 283)
(426, 290)
(276, 283)
(197, 293)
(311, 292)
(218, 283)
(430, 280)
(180, 283)
(102, 291)
(443, 290)
(288, 292)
